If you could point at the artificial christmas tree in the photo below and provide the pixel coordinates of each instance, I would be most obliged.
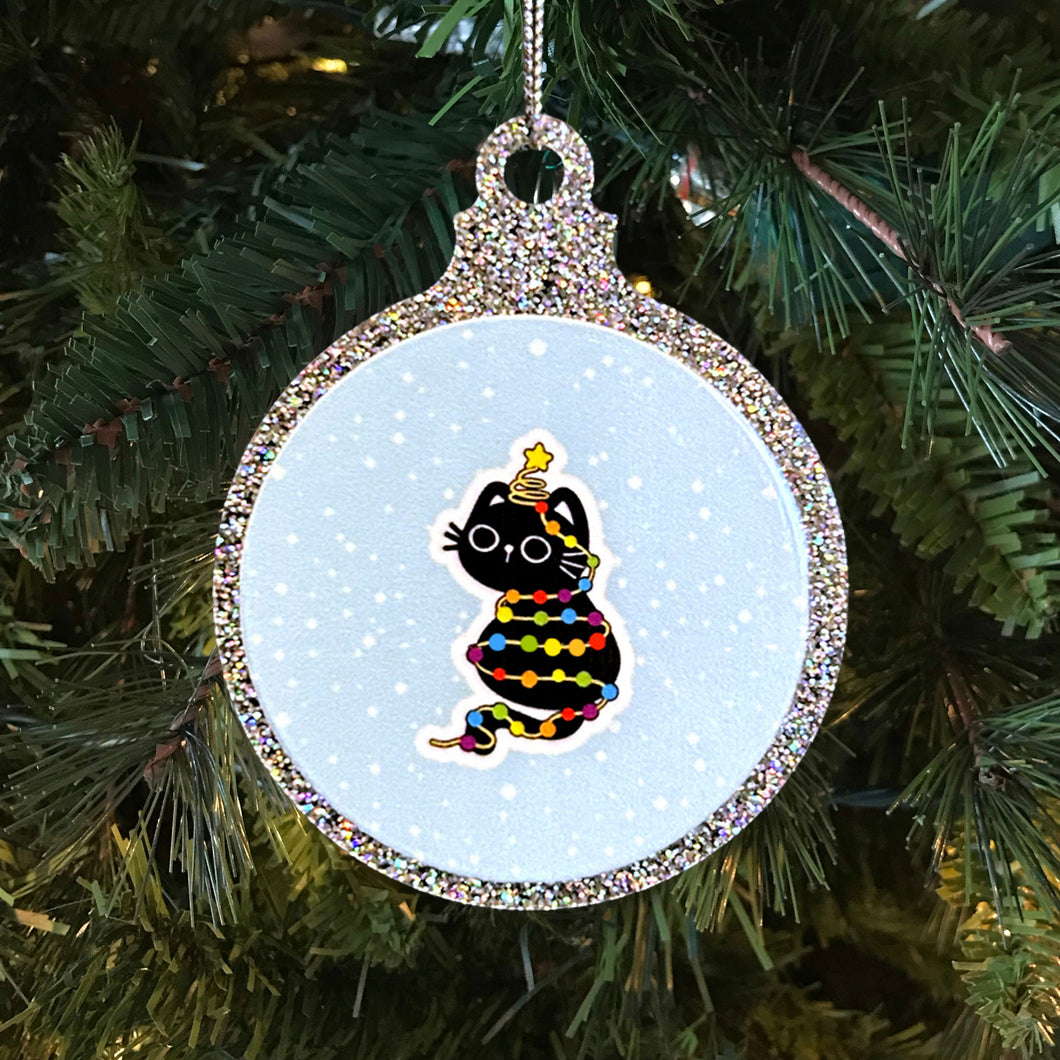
(199, 198)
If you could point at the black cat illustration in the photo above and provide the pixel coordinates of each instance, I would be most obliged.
(548, 649)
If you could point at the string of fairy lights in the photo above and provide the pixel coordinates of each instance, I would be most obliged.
(550, 636)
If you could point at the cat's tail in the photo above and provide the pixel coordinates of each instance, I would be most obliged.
(483, 723)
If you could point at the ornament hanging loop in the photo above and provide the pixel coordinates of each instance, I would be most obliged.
(533, 62)
(576, 186)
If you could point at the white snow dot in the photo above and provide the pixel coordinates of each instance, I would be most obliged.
(719, 579)
(647, 381)
(671, 585)
(283, 719)
(368, 641)
(488, 392)
(744, 615)
(769, 493)
(401, 688)
(278, 472)
(693, 738)
(659, 802)
(329, 512)
(601, 756)
(400, 414)
(634, 482)
(508, 791)
(408, 377)
(697, 486)
(278, 655)
(590, 373)
(538, 346)
(704, 513)
(292, 539)
(369, 463)
(333, 759)
(800, 603)
(699, 765)
(257, 638)
(572, 851)
(280, 589)
(310, 623)
(380, 598)
(398, 438)
(414, 830)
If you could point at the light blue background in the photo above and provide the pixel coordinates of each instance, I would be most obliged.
(349, 623)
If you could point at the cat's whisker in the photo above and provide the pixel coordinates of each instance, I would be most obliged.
(450, 548)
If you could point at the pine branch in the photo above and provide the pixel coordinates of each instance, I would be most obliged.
(995, 342)
(783, 850)
(1010, 963)
(963, 244)
(83, 755)
(996, 788)
(80, 479)
(111, 236)
(977, 220)
(143, 979)
(788, 1023)
(991, 528)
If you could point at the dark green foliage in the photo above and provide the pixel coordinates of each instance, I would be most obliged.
(992, 527)
(182, 358)
(197, 198)
(112, 241)
(767, 865)
(1008, 962)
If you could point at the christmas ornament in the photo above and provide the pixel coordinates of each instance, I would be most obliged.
(530, 590)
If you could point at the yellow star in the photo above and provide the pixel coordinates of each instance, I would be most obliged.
(538, 458)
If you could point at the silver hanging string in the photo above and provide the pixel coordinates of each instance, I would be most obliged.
(533, 58)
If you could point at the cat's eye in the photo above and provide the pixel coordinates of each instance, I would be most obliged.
(535, 549)
(483, 538)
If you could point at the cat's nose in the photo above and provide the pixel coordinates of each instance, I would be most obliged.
(508, 550)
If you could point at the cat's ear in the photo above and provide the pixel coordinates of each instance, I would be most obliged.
(494, 493)
(566, 506)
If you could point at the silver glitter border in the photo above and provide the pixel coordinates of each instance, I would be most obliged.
(551, 259)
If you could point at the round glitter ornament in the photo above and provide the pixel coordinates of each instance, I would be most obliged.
(668, 533)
